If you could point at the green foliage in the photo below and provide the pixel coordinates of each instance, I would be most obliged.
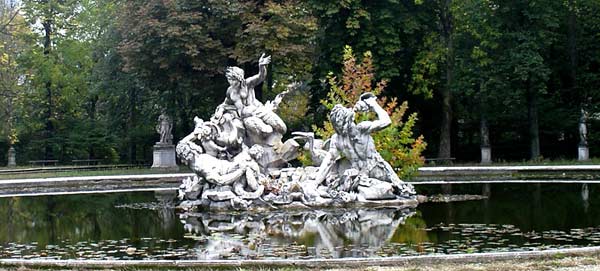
(396, 143)
(588, 63)
(93, 86)
(426, 68)
(178, 51)
(60, 109)
(283, 29)
(11, 26)
(294, 108)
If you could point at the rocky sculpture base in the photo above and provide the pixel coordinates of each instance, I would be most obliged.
(288, 188)
(259, 205)
(164, 157)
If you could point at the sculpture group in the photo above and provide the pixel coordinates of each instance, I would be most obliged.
(240, 160)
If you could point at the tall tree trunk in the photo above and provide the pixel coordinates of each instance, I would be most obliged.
(484, 130)
(445, 148)
(92, 115)
(49, 127)
(572, 36)
(131, 119)
(446, 126)
(534, 135)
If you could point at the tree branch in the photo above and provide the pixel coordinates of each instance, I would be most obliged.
(12, 18)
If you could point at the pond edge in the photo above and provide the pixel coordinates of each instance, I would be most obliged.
(312, 263)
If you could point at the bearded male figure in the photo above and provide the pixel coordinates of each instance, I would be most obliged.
(353, 142)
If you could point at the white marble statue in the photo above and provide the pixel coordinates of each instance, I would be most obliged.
(354, 143)
(583, 139)
(240, 160)
(163, 128)
(241, 174)
(259, 121)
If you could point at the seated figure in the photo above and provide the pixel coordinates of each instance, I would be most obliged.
(259, 121)
(354, 143)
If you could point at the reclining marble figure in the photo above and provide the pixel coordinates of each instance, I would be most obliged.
(240, 161)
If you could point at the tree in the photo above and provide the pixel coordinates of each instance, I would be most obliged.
(284, 29)
(584, 62)
(477, 35)
(529, 33)
(391, 30)
(122, 101)
(177, 51)
(11, 26)
(433, 68)
(55, 65)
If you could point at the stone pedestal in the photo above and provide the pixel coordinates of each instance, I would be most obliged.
(164, 157)
(12, 157)
(583, 153)
(486, 155)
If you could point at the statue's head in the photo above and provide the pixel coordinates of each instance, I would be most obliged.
(256, 151)
(342, 118)
(198, 123)
(208, 130)
(205, 131)
(234, 75)
(186, 153)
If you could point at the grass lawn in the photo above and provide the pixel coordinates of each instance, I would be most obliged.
(88, 172)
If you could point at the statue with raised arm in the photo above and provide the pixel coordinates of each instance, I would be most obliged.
(164, 127)
(259, 120)
(353, 142)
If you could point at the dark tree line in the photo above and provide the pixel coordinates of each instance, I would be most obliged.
(88, 78)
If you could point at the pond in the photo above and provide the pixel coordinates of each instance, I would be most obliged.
(144, 225)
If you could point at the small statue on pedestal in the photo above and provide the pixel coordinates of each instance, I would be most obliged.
(164, 150)
(164, 128)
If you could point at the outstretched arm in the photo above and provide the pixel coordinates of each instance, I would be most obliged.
(253, 81)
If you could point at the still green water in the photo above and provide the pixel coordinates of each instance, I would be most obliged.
(144, 225)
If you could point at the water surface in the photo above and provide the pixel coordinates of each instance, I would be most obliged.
(144, 225)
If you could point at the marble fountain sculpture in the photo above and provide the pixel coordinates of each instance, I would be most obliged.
(241, 162)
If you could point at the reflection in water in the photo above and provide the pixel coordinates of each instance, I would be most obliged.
(166, 199)
(585, 197)
(310, 233)
(145, 225)
(48, 220)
